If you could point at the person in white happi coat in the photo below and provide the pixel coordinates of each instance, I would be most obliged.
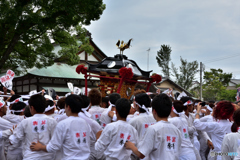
(161, 140)
(71, 134)
(204, 145)
(189, 116)
(187, 150)
(218, 129)
(38, 128)
(231, 141)
(141, 122)
(50, 109)
(106, 118)
(4, 125)
(15, 116)
(95, 127)
(115, 134)
(61, 110)
(95, 101)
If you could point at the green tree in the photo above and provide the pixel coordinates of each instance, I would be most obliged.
(28, 28)
(163, 59)
(215, 83)
(224, 78)
(186, 74)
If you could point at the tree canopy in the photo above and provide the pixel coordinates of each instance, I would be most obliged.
(163, 59)
(28, 29)
(215, 83)
(186, 74)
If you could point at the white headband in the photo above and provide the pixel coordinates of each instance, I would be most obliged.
(49, 108)
(17, 111)
(188, 103)
(110, 106)
(143, 107)
(15, 101)
(209, 108)
(85, 111)
(174, 110)
(61, 111)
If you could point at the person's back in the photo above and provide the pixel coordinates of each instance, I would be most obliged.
(71, 135)
(95, 100)
(115, 134)
(141, 122)
(161, 140)
(38, 128)
(231, 141)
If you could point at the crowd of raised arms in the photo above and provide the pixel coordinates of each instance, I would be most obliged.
(149, 126)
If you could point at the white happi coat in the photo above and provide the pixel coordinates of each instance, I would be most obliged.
(73, 136)
(161, 141)
(40, 128)
(113, 138)
(95, 127)
(231, 142)
(142, 122)
(96, 112)
(14, 151)
(217, 130)
(187, 150)
(4, 125)
(105, 119)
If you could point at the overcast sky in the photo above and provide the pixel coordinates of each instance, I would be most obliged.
(206, 31)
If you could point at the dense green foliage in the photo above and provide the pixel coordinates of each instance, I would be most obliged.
(28, 29)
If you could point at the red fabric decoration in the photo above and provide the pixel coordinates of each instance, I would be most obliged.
(126, 72)
(81, 69)
(156, 78)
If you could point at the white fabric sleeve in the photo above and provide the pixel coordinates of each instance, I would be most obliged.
(0, 134)
(205, 126)
(6, 134)
(146, 145)
(18, 134)
(57, 139)
(104, 140)
(225, 148)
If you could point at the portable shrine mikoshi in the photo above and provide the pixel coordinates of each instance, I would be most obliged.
(117, 74)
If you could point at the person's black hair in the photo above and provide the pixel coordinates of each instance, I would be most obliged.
(123, 107)
(236, 119)
(38, 102)
(49, 102)
(105, 100)
(14, 97)
(178, 105)
(114, 97)
(162, 104)
(185, 99)
(75, 102)
(18, 106)
(27, 112)
(143, 99)
(86, 101)
(197, 101)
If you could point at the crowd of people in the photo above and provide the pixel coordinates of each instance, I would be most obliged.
(149, 126)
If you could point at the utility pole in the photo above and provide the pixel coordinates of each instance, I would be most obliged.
(148, 59)
(201, 80)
